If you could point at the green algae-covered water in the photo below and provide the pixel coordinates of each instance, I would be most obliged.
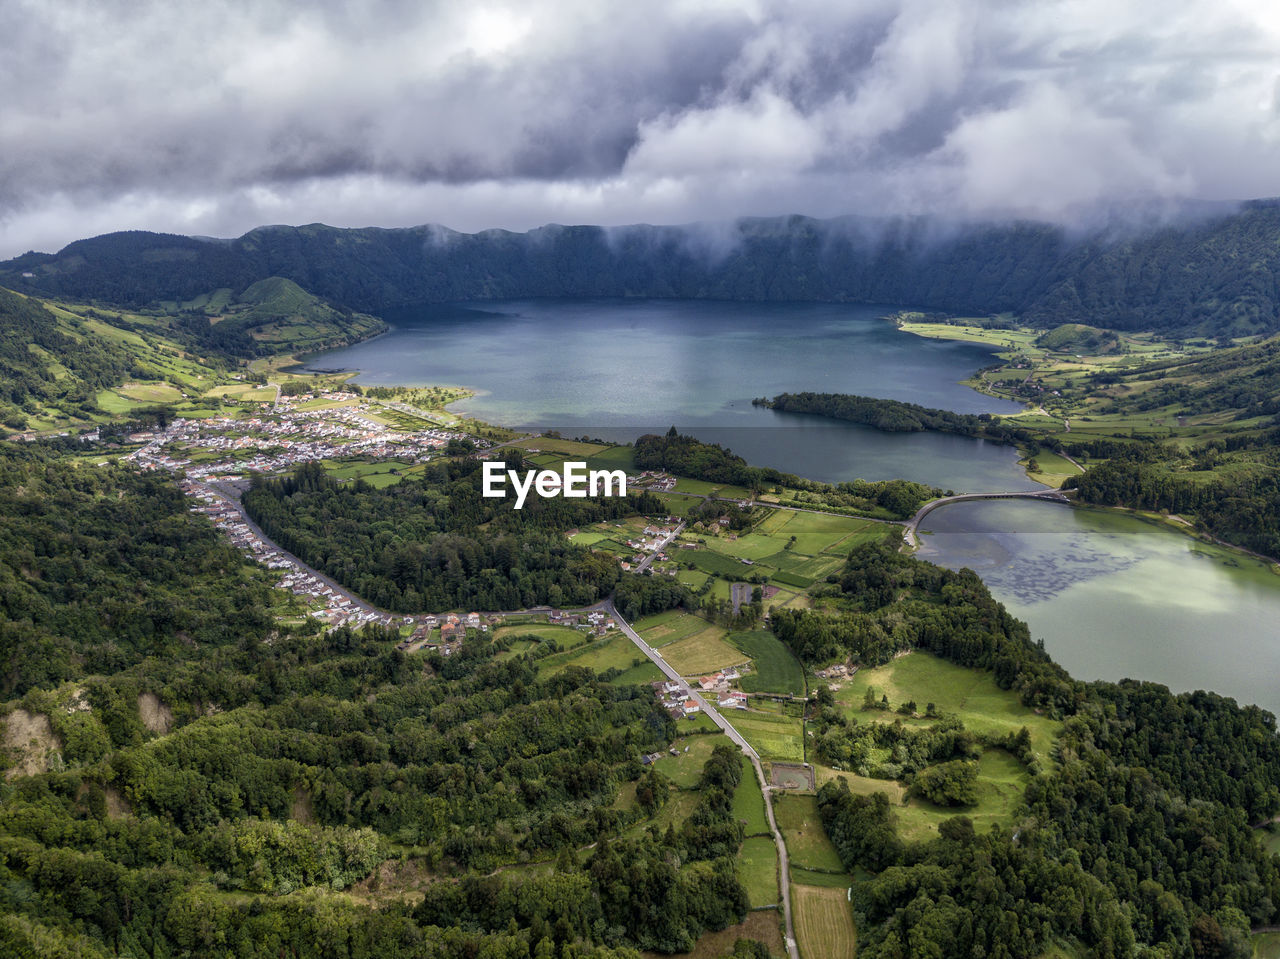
(1114, 596)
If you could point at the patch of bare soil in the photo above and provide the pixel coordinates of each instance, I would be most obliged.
(155, 715)
(30, 739)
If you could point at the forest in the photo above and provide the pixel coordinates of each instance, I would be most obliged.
(1208, 272)
(1136, 839)
(42, 364)
(214, 779)
(1241, 506)
(435, 543)
(687, 456)
(895, 416)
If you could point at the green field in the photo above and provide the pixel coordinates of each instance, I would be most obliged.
(613, 652)
(1266, 945)
(1002, 780)
(748, 801)
(1271, 839)
(668, 627)
(807, 844)
(550, 444)
(710, 561)
(567, 637)
(818, 533)
(685, 768)
(758, 870)
(773, 737)
(776, 669)
(613, 458)
(824, 923)
(379, 474)
(702, 652)
(971, 694)
(828, 880)
(150, 393)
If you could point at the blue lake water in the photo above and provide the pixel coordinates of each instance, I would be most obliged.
(1111, 596)
(618, 368)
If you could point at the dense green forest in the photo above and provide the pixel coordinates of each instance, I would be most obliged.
(1137, 837)
(1242, 506)
(1211, 272)
(43, 364)
(435, 543)
(206, 779)
(101, 568)
(895, 416)
(688, 456)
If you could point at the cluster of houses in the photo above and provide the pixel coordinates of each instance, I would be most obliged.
(838, 671)
(677, 698)
(453, 630)
(653, 480)
(594, 621)
(279, 441)
(338, 607)
(718, 684)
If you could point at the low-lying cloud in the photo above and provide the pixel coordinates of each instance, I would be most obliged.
(213, 117)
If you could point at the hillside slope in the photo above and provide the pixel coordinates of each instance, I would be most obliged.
(1216, 274)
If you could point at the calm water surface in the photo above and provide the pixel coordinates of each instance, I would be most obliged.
(618, 368)
(1113, 596)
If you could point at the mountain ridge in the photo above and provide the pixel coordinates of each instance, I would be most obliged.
(1217, 273)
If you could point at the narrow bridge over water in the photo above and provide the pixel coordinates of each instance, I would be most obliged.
(913, 524)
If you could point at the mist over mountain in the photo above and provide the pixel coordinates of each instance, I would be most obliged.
(1209, 272)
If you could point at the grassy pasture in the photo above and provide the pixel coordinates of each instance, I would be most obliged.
(1001, 782)
(702, 652)
(762, 925)
(711, 561)
(807, 842)
(613, 652)
(150, 392)
(685, 768)
(1266, 945)
(549, 444)
(758, 870)
(776, 669)
(748, 801)
(973, 695)
(669, 627)
(612, 458)
(773, 737)
(824, 923)
(566, 636)
(829, 880)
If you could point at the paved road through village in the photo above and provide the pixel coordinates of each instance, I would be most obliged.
(784, 870)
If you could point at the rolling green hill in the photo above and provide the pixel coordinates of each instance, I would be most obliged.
(1214, 272)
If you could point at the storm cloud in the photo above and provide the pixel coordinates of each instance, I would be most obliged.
(213, 117)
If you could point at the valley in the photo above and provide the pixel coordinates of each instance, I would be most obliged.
(762, 623)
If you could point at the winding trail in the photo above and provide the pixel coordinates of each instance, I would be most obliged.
(913, 524)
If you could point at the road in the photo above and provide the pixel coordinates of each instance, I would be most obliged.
(644, 563)
(913, 524)
(784, 863)
(230, 494)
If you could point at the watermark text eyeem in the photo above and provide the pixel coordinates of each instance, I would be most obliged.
(575, 481)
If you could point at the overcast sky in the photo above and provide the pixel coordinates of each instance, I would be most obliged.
(215, 116)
